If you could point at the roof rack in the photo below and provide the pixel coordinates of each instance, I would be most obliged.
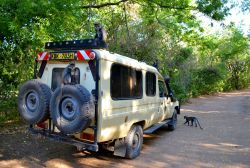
(76, 45)
(96, 43)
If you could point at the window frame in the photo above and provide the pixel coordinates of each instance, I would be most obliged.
(126, 98)
(166, 90)
(61, 68)
(149, 72)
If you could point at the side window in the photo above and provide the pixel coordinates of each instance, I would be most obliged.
(150, 84)
(126, 82)
(162, 89)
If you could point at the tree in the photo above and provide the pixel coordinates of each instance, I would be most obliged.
(234, 52)
(148, 30)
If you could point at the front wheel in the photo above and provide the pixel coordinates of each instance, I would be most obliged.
(134, 141)
(172, 124)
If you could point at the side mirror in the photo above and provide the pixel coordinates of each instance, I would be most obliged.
(171, 96)
(167, 80)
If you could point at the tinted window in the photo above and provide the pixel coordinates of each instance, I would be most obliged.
(57, 77)
(150, 84)
(126, 82)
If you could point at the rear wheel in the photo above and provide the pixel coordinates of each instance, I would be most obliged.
(172, 124)
(134, 141)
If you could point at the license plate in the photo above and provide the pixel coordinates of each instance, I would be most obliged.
(60, 56)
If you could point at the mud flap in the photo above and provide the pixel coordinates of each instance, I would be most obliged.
(120, 147)
(178, 109)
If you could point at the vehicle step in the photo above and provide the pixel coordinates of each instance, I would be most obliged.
(153, 128)
(80, 144)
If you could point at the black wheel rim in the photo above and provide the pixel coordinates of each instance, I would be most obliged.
(68, 108)
(32, 101)
(136, 141)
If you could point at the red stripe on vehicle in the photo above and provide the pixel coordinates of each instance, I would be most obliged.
(80, 56)
(38, 55)
(87, 52)
(42, 56)
(90, 54)
(46, 57)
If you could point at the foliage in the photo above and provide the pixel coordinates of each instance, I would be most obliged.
(245, 5)
(234, 52)
(206, 81)
(161, 31)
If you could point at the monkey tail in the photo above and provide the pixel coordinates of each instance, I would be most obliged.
(199, 124)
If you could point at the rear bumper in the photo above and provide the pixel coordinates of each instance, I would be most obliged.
(81, 145)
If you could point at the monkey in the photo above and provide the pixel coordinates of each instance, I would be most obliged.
(193, 120)
(67, 74)
(71, 74)
(101, 34)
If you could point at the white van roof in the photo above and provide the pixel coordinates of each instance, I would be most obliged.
(117, 58)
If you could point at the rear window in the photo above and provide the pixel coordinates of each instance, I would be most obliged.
(57, 75)
(57, 78)
(126, 82)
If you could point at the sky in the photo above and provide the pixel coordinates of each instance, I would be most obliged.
(241, 20)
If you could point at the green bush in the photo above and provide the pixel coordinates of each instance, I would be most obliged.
(206, 81)
(8, 109)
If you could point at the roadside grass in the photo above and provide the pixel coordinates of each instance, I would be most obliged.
(8, 112)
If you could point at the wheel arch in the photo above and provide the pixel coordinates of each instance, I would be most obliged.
(141, 123)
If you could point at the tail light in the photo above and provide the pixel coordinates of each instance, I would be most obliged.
(42, 125)
(86, 136)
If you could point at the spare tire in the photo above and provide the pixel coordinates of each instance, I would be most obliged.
(33, 101)
(71, 108)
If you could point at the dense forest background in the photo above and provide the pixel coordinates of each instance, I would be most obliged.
(169, 32)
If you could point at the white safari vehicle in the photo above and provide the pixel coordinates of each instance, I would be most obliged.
(89, 97)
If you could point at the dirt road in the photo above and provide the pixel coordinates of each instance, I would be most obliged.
(224, 141)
